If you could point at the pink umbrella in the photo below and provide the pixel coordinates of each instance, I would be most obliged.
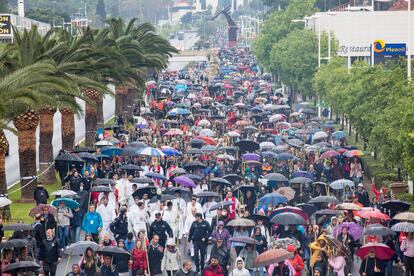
(228, 86)
(355, 230)
(329, 154)
(382, 251)
(372, 213)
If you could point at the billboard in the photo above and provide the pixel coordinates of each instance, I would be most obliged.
(5, 25)
(389, 49)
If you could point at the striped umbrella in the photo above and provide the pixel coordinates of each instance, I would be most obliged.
(151, 152)
(403, 227)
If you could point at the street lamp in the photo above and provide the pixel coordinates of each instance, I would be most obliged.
(329, 33)
(409, 41)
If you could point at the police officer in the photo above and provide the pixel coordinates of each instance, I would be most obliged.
(160, 228)
(50, 251)
(200, 231)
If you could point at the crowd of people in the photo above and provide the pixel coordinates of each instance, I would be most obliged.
(217, 173)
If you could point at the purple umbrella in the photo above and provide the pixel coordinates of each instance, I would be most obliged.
(184, 181)
(251, 156)
(355, 230)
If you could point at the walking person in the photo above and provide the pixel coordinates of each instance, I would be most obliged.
(186, 270)
(199, 233)
(89, 264)
(121, 261)
(92, 223)
(64, 214)
(155, 255)
(50, 253)
(139, 259)
(407, 247)
(172, 258)
(76, 224)
(160, 228)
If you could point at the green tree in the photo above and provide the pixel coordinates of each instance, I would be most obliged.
(4, 6)
(187, 18)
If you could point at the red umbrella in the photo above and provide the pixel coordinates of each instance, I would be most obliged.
(329, 154)
(382, 251)
(228, 86)
(289, 209)
(208, 140)
(369, 213)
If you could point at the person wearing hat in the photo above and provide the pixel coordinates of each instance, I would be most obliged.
(199, 234)
(172, 258)
(222, 252)
(40, 195)
(221, 233)
(362, 195)
(160, 228)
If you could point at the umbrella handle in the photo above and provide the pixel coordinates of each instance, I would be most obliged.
(67, 265)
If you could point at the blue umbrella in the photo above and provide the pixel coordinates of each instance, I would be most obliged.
(151, 152)
(155, 176)
(272, 198)
(284, 156)
(171, 152)
(339, 134)
(303, 174)
(111, 151)
(68, 202)
(270, 154)
(181, 86)
(100, 156)
(178, 111)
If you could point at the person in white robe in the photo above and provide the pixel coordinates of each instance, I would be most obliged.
(108, 215)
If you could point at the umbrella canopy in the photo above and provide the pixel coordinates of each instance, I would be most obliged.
(341, 184)
(156, 176)
(284, 243)
(22, 266)
(354, 229)
(276, 177)
(67, 201)
(101, 189)
(378, 230)
(130, 167)
(103, 143)
(289, 209)
(396, 205)
(273, 198)
(178, 111)
(150, 191)
(83, 149)
(353, 153)
(18, 227)
(303, 174)
(309, 209)
(326, 212)
(63, 193)
(79, 248)
(242, 222)
(184, 181)
(112, 250)
(4, 201)
(207, 132)
(39, 210)
(204, 123)
(103, 181)
(153, 152)
(284, 156)
(14, 243)
(220, 181)
(87, 156)
(287, 192)
(221, 204)
(162, 198)
(372, 213)
(405, 216)
(195, 151)
(273, 256)
(142, 180)
(329, 154)
(324, 199)
(194, 165)
(247, 145)
(233, 178)
(319, 135)
(300, 180)
(208, 194)
(178, 171)
(288, 219)
(348, 206)
(111, 151)
(244, 239)
(382, 251)
(68, 157)
(407, 227)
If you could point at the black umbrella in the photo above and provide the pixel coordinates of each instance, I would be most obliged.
(233, 178)
(221, 181)
(326, 212)
(196, 143)
(185, 193)
(288, 219)
(225, 149)
(194, 151)
(244, 188)
(276, 177)
(221, 204)
(130, 151)
(257, 217)
(79, 248)
(300, 180)
(15, 243)
(87, 156)
(151, 191)
(208, 194)
(18, 227)
(22, 266)
(103, 182)
(162, 198)
(84, 149)
(244, 239)
(378, 230)
(142, 180)
(68, 158)
(112, 250)
(247, 145)
(396, 205)
(194, 165)
(307, 208)
(138, 145)
(324, 199)
(101, 189)
(131, 167)
(101, 156)
(194, 176)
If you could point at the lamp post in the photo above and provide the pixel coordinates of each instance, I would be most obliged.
(409, 42)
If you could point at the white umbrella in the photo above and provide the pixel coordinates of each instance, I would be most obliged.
(207, 132)
(103, 143)
(63, 193)
(277, 118)
(151, 152)
(226, 156)
(233, 134)
(319, 135)
(4, 201)
(204, 123)
(269, 107)
(267, 145)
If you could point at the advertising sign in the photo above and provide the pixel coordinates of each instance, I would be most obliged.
(5, 25)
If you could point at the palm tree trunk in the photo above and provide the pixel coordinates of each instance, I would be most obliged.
(4, 146)
(26, 124)
(99, 112)
(119, 97)
(46, 146)
(91, 121)
(68, 129)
